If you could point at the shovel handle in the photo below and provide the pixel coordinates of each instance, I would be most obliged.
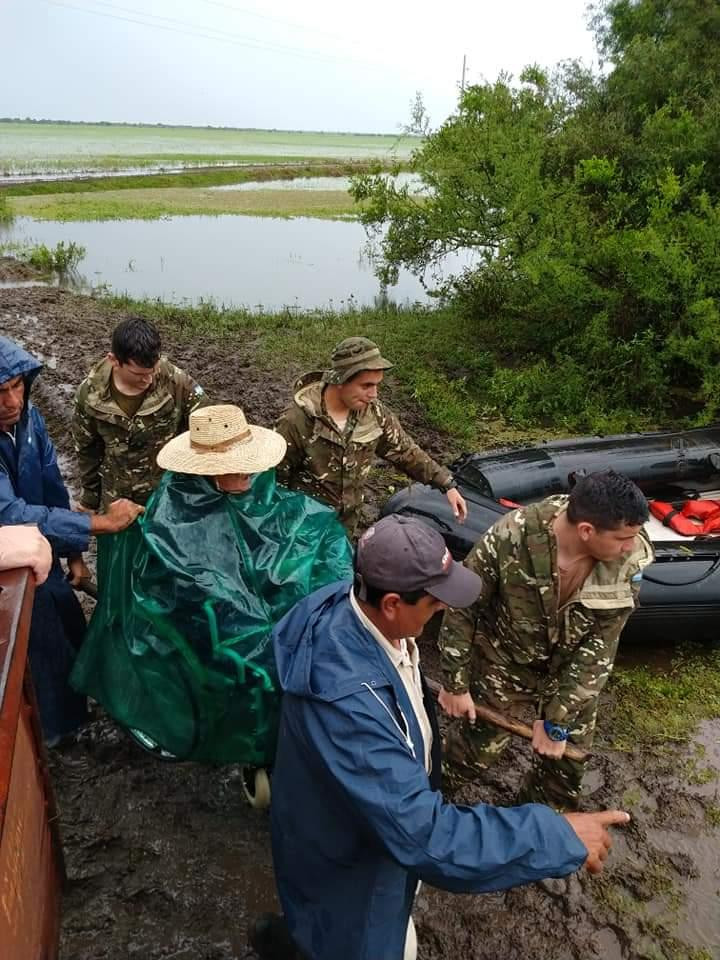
(500, 720)
(87, 586)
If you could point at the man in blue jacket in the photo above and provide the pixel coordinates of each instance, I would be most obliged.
(32, 492)
(356, 821)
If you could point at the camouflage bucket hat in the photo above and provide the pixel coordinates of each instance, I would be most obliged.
(353, 355)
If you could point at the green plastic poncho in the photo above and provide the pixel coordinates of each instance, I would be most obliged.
(178, 647)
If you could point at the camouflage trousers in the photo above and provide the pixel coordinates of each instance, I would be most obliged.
(470, 749)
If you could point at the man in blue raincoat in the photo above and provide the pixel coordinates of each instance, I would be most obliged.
(357, 820)
(32, 492)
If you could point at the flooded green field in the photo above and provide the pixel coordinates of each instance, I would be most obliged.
(28, 147)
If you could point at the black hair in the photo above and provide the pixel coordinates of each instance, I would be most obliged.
(607, 500)
(373, 595)
(136, 340)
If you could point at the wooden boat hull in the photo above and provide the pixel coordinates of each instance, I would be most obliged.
(31, 862)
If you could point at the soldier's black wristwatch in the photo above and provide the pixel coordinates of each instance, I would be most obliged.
(555, 731)
(450, 485)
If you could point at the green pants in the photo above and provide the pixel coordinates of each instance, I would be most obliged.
(470, 749)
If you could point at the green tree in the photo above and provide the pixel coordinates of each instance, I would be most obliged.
(591, 207)
(419, 124)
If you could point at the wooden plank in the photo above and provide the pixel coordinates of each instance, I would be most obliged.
(31, 866)
(17, 588)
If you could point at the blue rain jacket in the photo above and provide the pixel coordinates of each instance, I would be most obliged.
(31, 487)
(32, 491)
(355, 823)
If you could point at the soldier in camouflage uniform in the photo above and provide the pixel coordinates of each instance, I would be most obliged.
(335, 428)
(561, 577)
(127, 408)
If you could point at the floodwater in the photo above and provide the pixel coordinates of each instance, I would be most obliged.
(27, 148)
(125, 171)
(236, 261)
(317, 183)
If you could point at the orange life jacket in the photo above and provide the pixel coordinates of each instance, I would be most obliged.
(694, 518)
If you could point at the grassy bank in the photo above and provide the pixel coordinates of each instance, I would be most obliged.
(441, 359)
(253, 169)
(147, 197)
(151, 204)
(652, 709)
(438, 359)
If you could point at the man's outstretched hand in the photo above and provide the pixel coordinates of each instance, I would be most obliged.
(118, 516)
(591, 829)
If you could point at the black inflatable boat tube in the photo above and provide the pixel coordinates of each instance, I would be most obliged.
(650, 459)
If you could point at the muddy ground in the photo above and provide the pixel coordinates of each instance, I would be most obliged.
(167, 861)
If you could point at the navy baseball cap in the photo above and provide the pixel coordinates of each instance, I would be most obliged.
(401, 554)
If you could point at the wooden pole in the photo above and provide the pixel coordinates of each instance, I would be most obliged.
(520, 729)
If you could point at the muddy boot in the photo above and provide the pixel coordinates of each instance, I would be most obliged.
(270, 938)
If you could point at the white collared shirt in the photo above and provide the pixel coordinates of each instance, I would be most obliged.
(406, 660)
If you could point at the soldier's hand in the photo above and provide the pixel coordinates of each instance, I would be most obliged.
(25, 546)
(457, 704)
(542, 744)
(118, 516)
(458, 504)
(591, 830)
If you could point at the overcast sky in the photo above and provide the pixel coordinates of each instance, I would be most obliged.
(318, 65)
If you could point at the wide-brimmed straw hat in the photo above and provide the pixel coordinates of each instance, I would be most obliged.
(220, 441)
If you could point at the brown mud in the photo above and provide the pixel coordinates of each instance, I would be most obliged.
(167, 861)
(15, 271)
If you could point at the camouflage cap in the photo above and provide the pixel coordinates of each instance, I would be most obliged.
(353, 355)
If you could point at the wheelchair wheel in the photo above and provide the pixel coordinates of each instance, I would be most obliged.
(151, 746)
(256, 787)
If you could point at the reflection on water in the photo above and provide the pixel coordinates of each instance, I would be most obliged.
(318, 183)
(236, 261)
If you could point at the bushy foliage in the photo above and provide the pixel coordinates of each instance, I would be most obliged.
(61, 258)
(591, 205)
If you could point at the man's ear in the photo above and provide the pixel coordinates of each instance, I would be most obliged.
(585, 530)
(389, 605)
(113, 360)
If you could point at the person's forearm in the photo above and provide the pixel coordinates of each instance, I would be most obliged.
(102, 523)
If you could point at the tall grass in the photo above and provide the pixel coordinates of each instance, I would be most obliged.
(63, 258)
(5, 211)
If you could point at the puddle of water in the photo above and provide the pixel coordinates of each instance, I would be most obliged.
(411, 180)
(233, 260)
(699, 920)
(699, 915)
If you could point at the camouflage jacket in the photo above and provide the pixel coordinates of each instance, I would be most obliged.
(565, 654)
(116, 453)
(333, 465)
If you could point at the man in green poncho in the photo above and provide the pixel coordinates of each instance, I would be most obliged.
(178, 649)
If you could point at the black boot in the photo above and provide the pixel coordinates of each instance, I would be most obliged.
(270, 938)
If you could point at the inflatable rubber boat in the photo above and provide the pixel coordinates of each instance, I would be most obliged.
(680, 593)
